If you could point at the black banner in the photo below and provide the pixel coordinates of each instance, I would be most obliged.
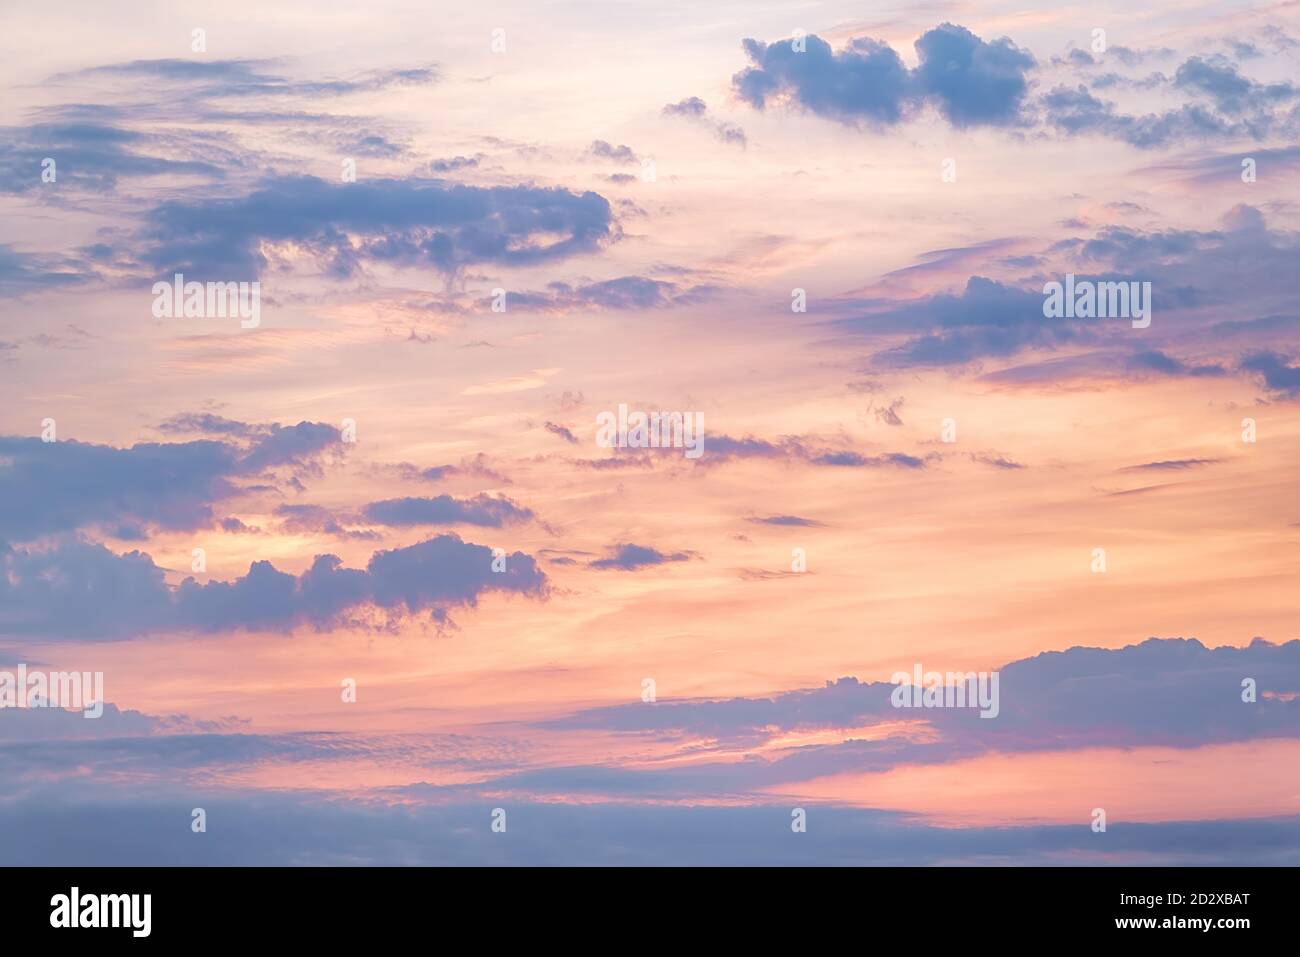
(1151, 906)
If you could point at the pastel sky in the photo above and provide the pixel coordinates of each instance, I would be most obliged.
(478, 227)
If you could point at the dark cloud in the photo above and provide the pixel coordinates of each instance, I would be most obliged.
(116, 825)
(1171, 692)
(628, 557)
(1226, 167)
(1275, 370)
(988, 318)
(1230, 92)
(1244, 268)
(618, 154)
(412, 223)
(452, 163)
(1153, 360)
(1170, 464)
(308, 519)
(793, 448)
(483, 510)
(556, 429)
(92, 155)
(693, 108)
(971, 82)
(51, 487)
(1238, 107)
(80, 590)
(22, 272)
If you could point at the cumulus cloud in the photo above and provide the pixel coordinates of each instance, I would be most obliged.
(78, 590)
(1275, 371)
(970, 81)
(407, 223)
(607, 151)
(1174, 692)
(52, 487)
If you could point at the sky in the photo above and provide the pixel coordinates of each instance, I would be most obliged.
(368, 582)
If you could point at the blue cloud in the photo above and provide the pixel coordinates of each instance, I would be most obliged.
(970, 81)
(413, 223)
(1275, 371)
(629, 557)
(484, 510)
(79, 590)
(51, 487)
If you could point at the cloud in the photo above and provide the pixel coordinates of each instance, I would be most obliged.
(1153, 360)
(725, 448)
(93, 156)
(974, 83)
(1173, 692)
(307, 519)
(618, 154)
(1241, 107)
(471, 466)
(988, 318)
(23, 272)
(623, 293)
(692, 107)
(203, 79)
(452, 163)
(51, 487)
(1274, 370)
(79, 590)
(405, 223)
(791, 521)
(483, 510)
(1231, 92)
(1195, 275)
(695, 109)
(1077, 111)
(564, 433)
(207, 423)
(1170, 464)
(114, 826)
(996, 460)
(970, 82)
(1226, 168)
(628, 557)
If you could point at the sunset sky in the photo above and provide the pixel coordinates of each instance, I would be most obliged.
(561, 208)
